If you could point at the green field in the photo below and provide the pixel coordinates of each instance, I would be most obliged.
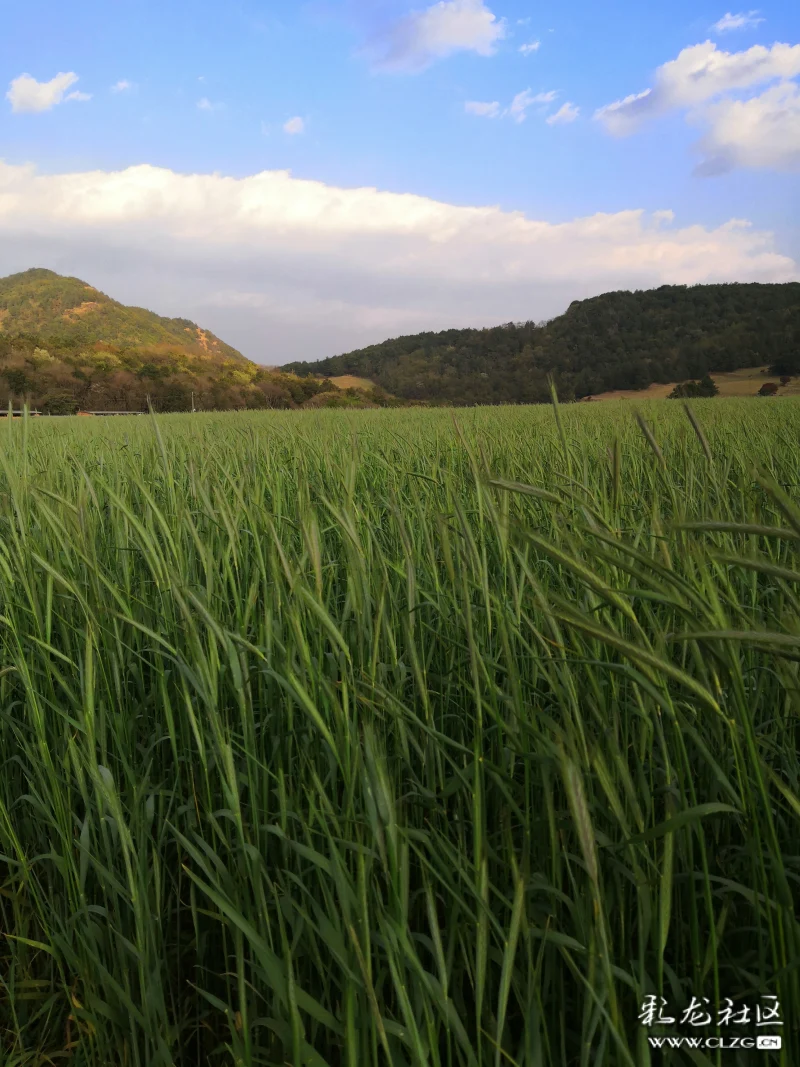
(409, 738)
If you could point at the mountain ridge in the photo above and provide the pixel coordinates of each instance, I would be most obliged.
(619, 340)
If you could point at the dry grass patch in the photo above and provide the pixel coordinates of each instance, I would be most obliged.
(351, 381)
(745, 382)
(81, 309)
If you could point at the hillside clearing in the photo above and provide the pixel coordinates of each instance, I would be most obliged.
(351, 381)
(745, 382)
(81, 309)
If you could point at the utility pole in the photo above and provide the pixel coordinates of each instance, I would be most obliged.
(193, 401)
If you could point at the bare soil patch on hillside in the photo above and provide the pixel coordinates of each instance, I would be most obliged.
(81, 309)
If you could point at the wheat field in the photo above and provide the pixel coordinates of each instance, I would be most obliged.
(397, 738)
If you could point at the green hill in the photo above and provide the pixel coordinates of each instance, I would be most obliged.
(621, 340)
(68, 313)
(65, 346)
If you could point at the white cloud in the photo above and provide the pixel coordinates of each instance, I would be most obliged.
(204, 104)
(26, 94)
(699, 74)
(413, 43)
(295, 125)
(122, 86)
(522, 101)
(744, 20)
(621, 116)
(320, 269)
(528, 49)
(488, 111)
(566, 113)
(519, 106)
(78, 95)
(757, 133)
(711, 86)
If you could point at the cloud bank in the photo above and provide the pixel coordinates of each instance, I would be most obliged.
(288, 269)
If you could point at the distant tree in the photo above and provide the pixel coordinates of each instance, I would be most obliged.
(788, 362)
(152, 371)
(176, 397)
(708, 386)
(275, 396)
(38, 358)
(768, 389)
(17, 380)
(685, 390)
(785, 379)
(58, 403)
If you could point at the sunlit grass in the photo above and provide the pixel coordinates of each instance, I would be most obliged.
(396, 738)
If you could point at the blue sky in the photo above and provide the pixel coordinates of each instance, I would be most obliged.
(393, 120)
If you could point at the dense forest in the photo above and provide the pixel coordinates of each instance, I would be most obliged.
(65, 346)
(621, 340)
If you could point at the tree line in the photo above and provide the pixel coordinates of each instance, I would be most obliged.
(34, 372)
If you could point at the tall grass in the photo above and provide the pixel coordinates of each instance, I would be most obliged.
(397, 738)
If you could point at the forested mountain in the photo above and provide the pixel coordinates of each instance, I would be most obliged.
(621, 340)
(64, 345)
